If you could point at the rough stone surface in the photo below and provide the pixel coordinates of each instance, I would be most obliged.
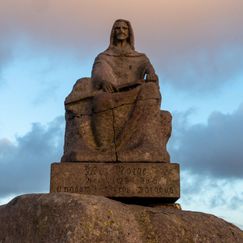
(115, 115)
(74, 218)
(138, 182)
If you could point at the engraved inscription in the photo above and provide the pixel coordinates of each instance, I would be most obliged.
(137, 171)
(118, 180)
(155, 189)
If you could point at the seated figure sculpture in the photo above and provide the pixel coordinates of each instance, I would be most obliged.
(115, 115)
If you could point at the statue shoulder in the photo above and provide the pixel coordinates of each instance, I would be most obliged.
(98, 60)
(99, 56)
(141, 55)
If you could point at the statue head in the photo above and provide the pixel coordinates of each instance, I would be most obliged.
(122, 30)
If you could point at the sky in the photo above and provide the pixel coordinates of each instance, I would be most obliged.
(196, 47)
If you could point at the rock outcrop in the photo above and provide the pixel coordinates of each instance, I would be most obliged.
(69, 217)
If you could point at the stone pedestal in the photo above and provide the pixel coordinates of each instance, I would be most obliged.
(129, 182)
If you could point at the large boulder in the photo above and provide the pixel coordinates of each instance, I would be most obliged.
(69, 217)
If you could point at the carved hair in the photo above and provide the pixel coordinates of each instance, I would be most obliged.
(130, 37)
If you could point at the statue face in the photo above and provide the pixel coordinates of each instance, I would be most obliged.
(121, 30)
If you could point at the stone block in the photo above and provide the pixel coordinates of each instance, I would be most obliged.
(142, 183)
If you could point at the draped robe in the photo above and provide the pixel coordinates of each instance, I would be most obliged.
(125, 125)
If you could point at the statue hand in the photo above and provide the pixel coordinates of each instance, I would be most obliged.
(108, 87)
(152, 77)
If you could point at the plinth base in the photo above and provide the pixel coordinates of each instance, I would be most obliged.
(142, 183)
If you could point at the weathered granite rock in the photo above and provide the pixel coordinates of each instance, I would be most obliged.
(115, 115)
(141, 183)
(74, 218)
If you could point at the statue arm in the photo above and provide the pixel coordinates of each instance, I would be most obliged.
(151, 76)
(96, 74)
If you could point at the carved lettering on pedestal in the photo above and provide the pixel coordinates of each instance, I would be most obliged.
(129, 180)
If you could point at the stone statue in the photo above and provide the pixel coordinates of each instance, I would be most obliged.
(115, 115)
(116, 132)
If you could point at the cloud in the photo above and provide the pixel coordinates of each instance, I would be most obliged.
(221, 197)
(213, 149)
(211, 191)
(195, 45)
(25, 166)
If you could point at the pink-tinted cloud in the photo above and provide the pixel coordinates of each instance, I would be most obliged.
(185, 39)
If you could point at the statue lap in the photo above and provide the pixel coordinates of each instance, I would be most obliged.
(120, 126)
